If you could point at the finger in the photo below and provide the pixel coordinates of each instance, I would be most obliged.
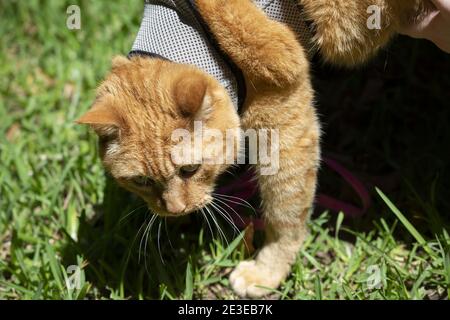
(420, 28)
(427, 20)
(442, 5)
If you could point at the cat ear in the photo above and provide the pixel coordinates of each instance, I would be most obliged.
(192, 98)
(102, 118)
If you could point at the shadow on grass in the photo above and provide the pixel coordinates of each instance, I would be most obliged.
(131, 265)
(114, 244)
(387, 122)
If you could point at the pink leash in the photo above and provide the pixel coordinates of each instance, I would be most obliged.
(246, 187)
(336, 205)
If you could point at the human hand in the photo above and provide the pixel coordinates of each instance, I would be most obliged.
(435, 26)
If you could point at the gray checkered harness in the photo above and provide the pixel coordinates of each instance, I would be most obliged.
(174, 30)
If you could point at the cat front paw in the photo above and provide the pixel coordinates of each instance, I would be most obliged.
(250, 279)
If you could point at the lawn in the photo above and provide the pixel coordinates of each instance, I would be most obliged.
(61, 217)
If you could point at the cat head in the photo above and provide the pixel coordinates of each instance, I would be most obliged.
(139, 107)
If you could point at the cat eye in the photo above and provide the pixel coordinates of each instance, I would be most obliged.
(189, 170)
(142, 181)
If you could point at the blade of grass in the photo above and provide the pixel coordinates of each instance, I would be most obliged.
(412, 230)
(189, 289)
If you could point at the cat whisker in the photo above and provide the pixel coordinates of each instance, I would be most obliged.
(230, 220)
(167, 233)
(159, 244)
(145, 236)
(131, 212)
(231, 168)
(207, 221)
(221, 233)
(254, 179)
(235, 200)
(137, 234)
(142, 238)
(226, 216)
(231, 173)
(149, 231)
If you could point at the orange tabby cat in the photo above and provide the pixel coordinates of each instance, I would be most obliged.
(144, 100)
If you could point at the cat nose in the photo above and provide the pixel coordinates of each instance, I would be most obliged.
(175, 206)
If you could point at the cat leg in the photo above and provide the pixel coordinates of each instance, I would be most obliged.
(287, 196)
(280, 97)
(265, 50)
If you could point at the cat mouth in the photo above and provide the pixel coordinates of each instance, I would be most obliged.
(167, 214)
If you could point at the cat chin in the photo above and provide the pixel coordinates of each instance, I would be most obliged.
(166, 214)
(171, 215)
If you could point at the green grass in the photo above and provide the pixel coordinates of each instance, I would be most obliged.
(58, 209)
